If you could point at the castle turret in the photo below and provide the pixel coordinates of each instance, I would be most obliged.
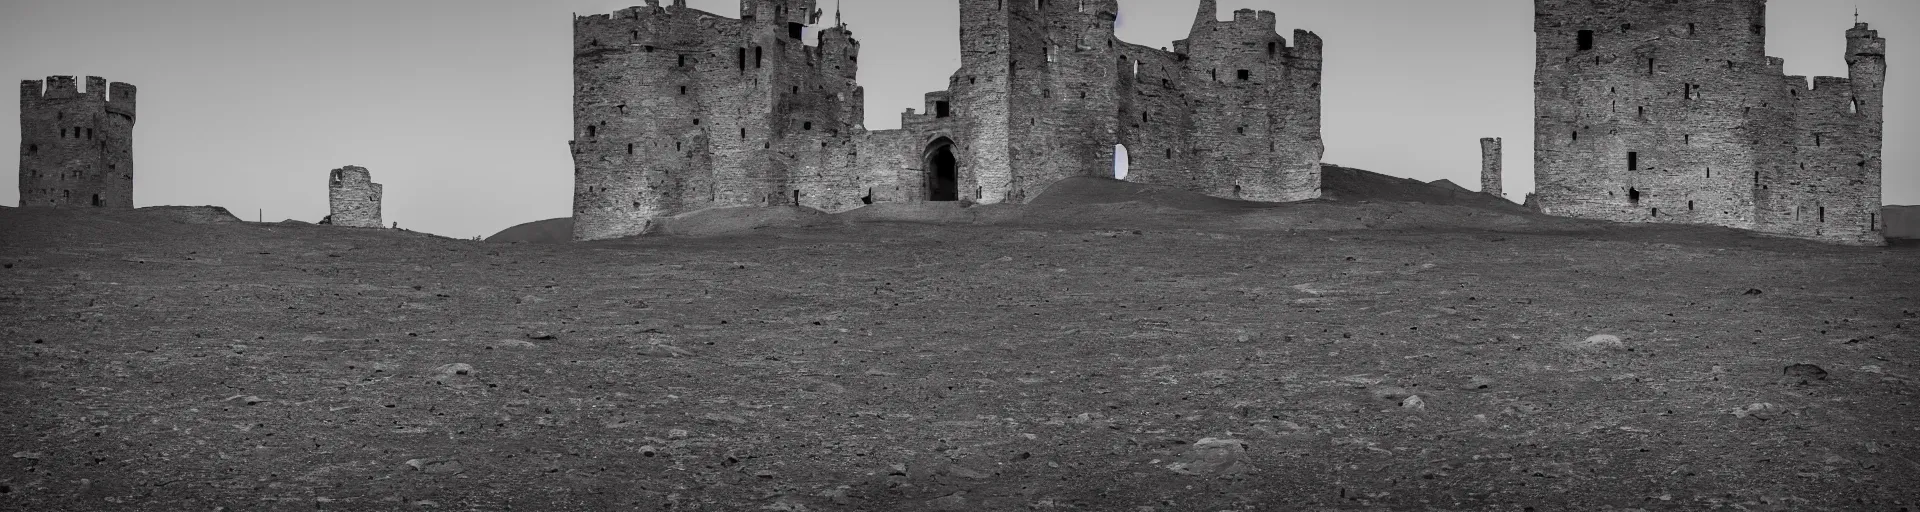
(76, 147)
(1867, 71)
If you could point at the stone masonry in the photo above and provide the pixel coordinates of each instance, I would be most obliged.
(677, 109)
(354, 198)
(1670, 111)
(1490, 169)
(76, 148)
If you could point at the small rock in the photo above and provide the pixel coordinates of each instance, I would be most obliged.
(765, 474)
(963, 472)
(542, 336)
(1391, 393)
(839, 495)
(1601, 343)
(955, 501)
(1754, 291)
(1805, 372)
(28, 455)
(455, 369)
(1760, 411)
(246, 399)
(440, 466)
(1479, 382)
(1414, 402)
(724, 418)
(508, 344)
(1212, 457)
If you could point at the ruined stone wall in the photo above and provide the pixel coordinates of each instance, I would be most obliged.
(678, 109)
(1659, 111)
(1828, 186)
(76, 148)
(1154, 119)
(1490, 167)
(354, 198)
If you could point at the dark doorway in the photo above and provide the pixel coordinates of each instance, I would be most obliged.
(943, 176)
(98, 203)
(1633, 195)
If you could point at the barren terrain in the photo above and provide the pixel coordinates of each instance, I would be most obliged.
(1134, 355)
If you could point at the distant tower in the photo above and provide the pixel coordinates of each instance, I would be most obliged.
(354, 197)
(1490, 167)
(76, 148)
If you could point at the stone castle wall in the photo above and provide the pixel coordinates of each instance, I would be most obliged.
(76, 148)
(1670, 111)
(678, 109)
(354, 198)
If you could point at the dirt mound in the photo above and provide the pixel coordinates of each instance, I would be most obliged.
(550, 231)
(720, 221)
(1348, 184)
(1901, 221)
(192, 214)
(1085, 191)
(933, 213)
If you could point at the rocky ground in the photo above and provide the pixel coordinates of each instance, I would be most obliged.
(1061, 359)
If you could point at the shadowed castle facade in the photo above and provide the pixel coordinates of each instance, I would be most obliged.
(1671, 111)
(76, 148)
(677, 109)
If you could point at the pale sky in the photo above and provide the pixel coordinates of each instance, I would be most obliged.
(462, 108)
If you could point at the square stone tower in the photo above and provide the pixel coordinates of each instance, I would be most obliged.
(1665, 111)
(76, 148)
(354, 197)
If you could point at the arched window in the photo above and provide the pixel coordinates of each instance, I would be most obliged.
(1121, 162)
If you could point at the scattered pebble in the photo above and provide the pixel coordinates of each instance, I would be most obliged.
(1754, 291)
(455, 369)
(1479, 382)
(542, 336)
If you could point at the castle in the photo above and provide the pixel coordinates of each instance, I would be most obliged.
(76, 148)
(1670, 111)
(353, 198)
(677, 109)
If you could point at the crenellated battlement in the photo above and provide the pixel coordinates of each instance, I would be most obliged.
(118, 97)
(76, 144)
